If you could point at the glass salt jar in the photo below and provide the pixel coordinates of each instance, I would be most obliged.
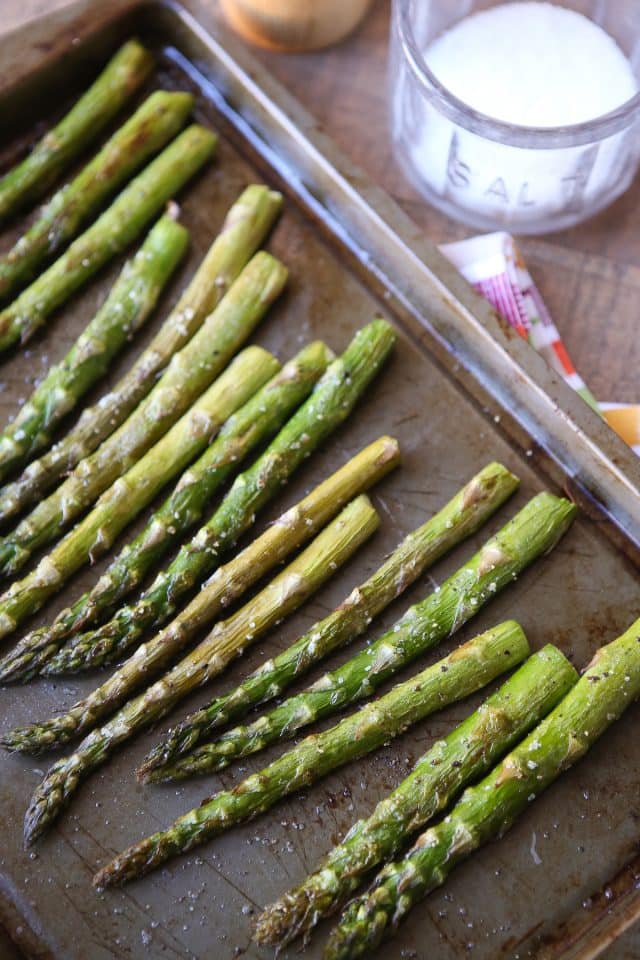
(496, 173)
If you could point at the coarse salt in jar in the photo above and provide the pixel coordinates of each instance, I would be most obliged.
(521, 114)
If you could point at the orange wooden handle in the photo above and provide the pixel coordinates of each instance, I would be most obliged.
(290, 25)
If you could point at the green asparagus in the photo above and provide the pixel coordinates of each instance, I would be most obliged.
(261, 416)
(461, 517)
(304, 575)
(190, 371)
(244, 228)
(128, 305)
(468, 752)
(467, 669)
(487, 810)
(333, 398)
(119, 80)
(135, 489)
(535, 530)
(108, 236)
(226, 585)
(152, 126)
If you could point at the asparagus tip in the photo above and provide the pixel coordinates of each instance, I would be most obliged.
(273, 927)
(35, 823)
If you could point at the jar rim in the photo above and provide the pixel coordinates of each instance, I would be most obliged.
(511, 134)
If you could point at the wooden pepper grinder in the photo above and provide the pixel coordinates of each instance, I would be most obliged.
(294, 25)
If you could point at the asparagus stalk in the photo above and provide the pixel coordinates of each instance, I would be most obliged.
(331, 548)
(31, 179)
(467, 753)
(153, 125)
(487, 810)
(262, 415)
(108, 236)
(333, 398)
(467, 669)
(128, 305)
(244, 228)
(229, 582)
(191, 370)
(133, 491)
(533, 531)
(461, 517)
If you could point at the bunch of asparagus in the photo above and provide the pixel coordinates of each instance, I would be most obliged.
(329, 404)
(187, 405)
(533, 531)
(468, 752)
(486, 810)
(153, 125)
(459, 518)
(189, 372)
(243, 230)
(229, 638)
(467, 669)
(128, 305)
(107, 236)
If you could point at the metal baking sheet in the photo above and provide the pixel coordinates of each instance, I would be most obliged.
(460, 390)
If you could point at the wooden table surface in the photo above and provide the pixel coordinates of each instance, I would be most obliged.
(589, 276)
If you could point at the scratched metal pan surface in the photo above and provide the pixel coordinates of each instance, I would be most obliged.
(457, 393)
